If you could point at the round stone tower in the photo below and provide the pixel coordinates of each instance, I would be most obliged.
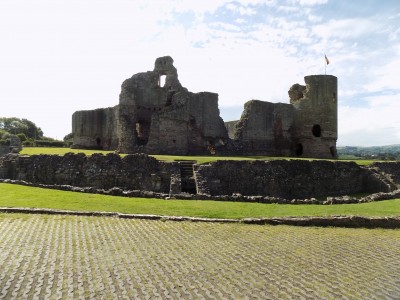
(314, 130)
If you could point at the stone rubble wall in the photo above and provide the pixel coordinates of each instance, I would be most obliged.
(287, 179)
(132, 172)
(95, 129)
(391, 170)
(276, 181)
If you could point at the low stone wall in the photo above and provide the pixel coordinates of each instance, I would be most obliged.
(278, 181)
(132, 172)
(389, 169)
(287, 179)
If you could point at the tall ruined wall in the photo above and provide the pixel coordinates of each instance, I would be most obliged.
(307, 127)
(231, 128)
(132, 172)
(162, 117)
(315, 120)
(153, 117)
(95, 129)
(190, 124)
(264, 128)
(286, 179)
(166, 118)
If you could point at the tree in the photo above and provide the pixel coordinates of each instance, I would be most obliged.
(15, 126)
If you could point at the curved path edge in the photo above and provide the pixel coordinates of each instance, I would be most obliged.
(328, 221)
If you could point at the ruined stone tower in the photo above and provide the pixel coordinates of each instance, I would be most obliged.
(315, 126)
(307, 127)
(157, 115)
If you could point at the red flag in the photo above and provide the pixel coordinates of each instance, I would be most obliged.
(327, 60)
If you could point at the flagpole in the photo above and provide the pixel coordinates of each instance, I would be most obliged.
(326, 62)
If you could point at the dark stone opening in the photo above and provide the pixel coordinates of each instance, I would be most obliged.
(299, 149)
(142, 131)
(98, 141)
(333, 151)
(170, 95)
(316, 130)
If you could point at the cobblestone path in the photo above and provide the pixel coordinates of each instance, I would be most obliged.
(72, 257)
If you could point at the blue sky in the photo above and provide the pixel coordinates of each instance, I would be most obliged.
(60, 56)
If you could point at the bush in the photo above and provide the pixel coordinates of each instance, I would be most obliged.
(22, 137)
(28, 143)
(5, 142)
(6, 135)
(49, 143)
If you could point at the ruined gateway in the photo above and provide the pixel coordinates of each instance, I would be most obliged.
(165, 118)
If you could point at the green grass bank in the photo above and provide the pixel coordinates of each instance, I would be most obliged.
(32, 197)
(199, 159)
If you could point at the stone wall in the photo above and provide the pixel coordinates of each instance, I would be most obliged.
(13, 145)
(231, 128)
(286, 179)
(314, 129)
(132, 172)
(264, 128)
(307, 127)
(153, 117)
(95, 129)
(294, 179)
(390, 170)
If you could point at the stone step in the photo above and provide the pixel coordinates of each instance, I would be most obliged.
(186, 167)
(188, 182)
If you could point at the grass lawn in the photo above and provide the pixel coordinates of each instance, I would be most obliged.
(31, 197)
(199, 159)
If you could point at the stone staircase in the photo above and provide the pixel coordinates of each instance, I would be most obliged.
(383, 180)
(188, 182)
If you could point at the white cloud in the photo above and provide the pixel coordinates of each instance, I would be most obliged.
(59, 57)
(310, 2)
(346, 28)
(375, 124)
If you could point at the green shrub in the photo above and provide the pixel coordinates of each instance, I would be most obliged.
(22, 137)
(49, 143)
(28, 143)
(5, 142)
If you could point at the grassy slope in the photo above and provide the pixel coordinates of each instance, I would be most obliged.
(199, 159)
(22, 196)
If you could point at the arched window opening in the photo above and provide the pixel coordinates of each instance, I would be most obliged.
(161, 80)
(316, 130)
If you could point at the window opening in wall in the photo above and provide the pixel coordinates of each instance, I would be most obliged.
(98, 141)
(316, 130)
(299, 149)
(161, 80)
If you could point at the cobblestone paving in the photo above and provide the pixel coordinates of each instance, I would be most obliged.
(72, 257)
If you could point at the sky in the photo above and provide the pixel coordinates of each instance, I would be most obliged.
(61, 56)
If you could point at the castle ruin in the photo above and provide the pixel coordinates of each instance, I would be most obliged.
(157, 115)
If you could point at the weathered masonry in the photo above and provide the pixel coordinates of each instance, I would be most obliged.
(157, 115)
(153, 117)
(287, 179)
